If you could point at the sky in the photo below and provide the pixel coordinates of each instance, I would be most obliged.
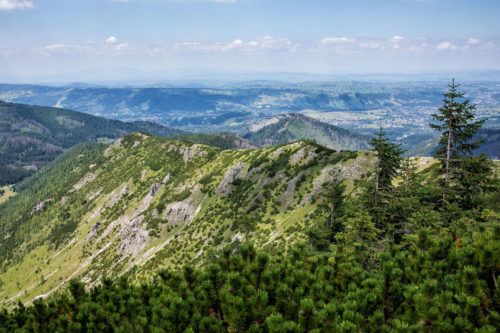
(106, 40)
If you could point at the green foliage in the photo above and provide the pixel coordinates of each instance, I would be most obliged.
(181, 195)
(44, 188)
(32, 136)
(431, 283)
(379, 191)
(465, 178)
(400, 263)
(154, 163)
(219, 140)
(62, 232)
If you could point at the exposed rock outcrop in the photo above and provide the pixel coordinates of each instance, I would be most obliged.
(287, 196)
(188, 152)
(134, 237)
(40, 206)
(89, 177)
(231, 175)
(184, 211)
(302, 156)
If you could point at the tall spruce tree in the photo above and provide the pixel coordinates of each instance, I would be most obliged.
(335, 200)
(323, 234)
(389, 157)
(457, 122)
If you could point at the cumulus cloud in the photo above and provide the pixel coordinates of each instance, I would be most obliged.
(259, 44)
(345, 46)
(337, 40)
(446, 46)
(15, 4)
(473, 41)
(400, 44)
(111, 40)
(397, 39)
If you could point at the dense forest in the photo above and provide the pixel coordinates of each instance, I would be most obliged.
(409, 251)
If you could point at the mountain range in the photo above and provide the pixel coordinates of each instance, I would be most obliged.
(32, 136)
(402, 108)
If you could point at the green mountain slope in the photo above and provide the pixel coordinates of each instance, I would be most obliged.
(491, 142)
(287, 128)
(145, 203)
(219, 140)
(31, 136)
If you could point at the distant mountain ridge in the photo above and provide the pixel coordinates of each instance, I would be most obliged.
(286, 128)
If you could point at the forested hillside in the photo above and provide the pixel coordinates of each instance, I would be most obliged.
(146, 203)
(291, 127)
(32, 136)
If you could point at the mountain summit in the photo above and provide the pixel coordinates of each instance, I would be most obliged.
(291, 127)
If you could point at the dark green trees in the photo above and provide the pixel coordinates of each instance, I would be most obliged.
(429, 284)
(335, 201)
(324, 233)
(379, 192)
(456, 122)
(388, 162)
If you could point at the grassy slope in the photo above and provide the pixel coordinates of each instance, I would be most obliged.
(100, 217)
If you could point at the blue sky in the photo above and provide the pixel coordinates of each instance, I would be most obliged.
(79, 40)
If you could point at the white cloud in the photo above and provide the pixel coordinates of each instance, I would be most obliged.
(350, 46)
(259, 44)
(473, 41)
(397, 39)
(337, 40)
(15, 4)
(111, 40)
(372, 45)
(446, 46)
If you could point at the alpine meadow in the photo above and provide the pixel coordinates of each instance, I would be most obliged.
(249, 166)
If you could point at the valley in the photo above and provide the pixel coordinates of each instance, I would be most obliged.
(402, 108)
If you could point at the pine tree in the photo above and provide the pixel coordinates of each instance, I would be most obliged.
(389, 157)
(388, 161)
(474, 178)
(336, 190)
(409, 175)
(456, 121)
